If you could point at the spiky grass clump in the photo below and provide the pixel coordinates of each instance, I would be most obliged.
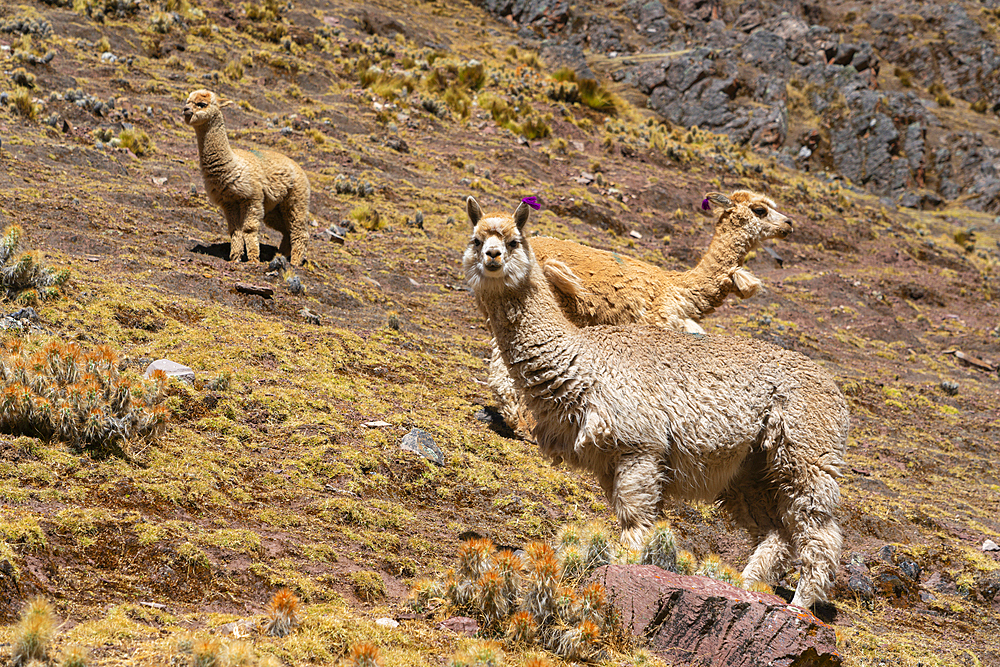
(364, 654)
(487, 654)
(61, 392)
(425, 591)
(714, 567)
(687, 562)
(599, 550)
(22, 274)
(136, 141)
(23, 104)
(660, 548)
(75, 656)
(282, 614)
(529, 600)
(574, 565)
(208, 652)
(475, 558)
(33, 634)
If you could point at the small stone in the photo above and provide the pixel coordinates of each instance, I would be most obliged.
(861, 586)
(294, 285)
(989, 585)
(887, 553)
(891, 586)
(310, 317)
(421, 442)
(376, 424)
(634, 234)
(949, 387)
(990, 545)
(27, 313)
(387, 623)
(279, 263)
(397, 144)
(172, 369)
(910, 568)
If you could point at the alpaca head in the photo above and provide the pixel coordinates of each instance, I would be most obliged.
(747, 219)
(498, 255)
(202, 106)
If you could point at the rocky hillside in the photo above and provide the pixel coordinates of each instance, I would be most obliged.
(281, 465)
(899, 99)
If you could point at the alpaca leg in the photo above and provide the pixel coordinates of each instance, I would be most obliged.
(509, 402)
(752, 501)
(254, 216)
(770, 558)
(297, 219)
(234, 221)
(808, 497)
(818, 544)
(635, 496)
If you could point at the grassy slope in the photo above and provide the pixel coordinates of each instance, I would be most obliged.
(275, 481)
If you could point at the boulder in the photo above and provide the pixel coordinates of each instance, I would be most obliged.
(698, 620)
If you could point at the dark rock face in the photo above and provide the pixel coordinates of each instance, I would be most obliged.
(700, 620)
(726, 69)
(548, 14)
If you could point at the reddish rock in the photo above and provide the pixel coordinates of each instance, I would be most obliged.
(461, 625)
(700, 620)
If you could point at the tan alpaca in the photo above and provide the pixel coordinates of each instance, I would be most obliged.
(655, 413)
(599, 287)
(250, 187)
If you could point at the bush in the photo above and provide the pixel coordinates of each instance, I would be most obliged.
(23, 104)
(136, 141)
(368, 585)
(22, 274)
(61, 392)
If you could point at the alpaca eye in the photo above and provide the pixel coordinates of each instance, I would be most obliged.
(476, 242)
(513, 244)
(760, 211)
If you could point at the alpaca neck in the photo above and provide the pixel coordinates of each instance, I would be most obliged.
(214, 153)
(539, 345)
(708, 284)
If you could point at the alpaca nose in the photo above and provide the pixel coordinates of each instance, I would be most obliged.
(493, 253)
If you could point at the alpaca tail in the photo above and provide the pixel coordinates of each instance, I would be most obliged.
(563, 278)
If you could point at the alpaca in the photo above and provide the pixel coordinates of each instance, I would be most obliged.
(249, 186)
(599, 287)
(653, 413)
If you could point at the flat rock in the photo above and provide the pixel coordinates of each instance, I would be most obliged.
(461, 625)
(698, 620)
(421, 442)
(172, 369)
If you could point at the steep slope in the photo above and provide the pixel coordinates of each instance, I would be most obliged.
(267, 475)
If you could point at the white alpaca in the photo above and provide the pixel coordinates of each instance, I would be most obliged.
(251, 187)
(653, 412)
(600, 287)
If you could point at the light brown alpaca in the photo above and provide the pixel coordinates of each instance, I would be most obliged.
(655, 413)
(599, 287)
(250, 187)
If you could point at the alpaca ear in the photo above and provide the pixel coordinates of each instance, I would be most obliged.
(521, 215)
(747, 284)
(225, 103)
(719, 198)
(475, 213)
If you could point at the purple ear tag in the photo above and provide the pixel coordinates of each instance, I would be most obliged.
(705, 205)
(532, 202)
